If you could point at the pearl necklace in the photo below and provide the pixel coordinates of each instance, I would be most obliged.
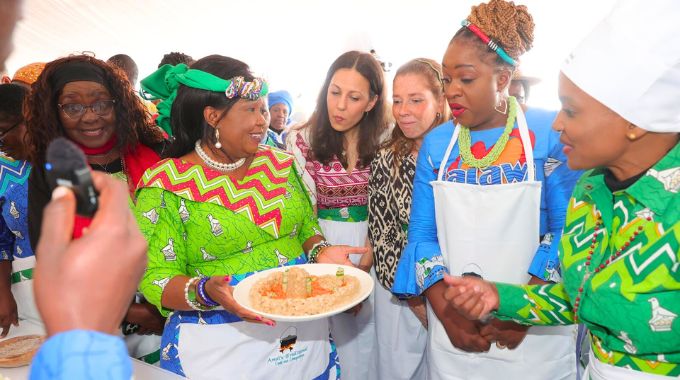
(616, 255)
(219, 166)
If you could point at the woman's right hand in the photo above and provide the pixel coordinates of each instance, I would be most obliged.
(472, 297)
(463, 334)
(339, 254)
(220, 291)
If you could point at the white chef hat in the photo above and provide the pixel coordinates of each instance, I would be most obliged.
(630, 62)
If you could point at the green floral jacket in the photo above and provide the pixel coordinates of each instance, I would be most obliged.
(629, 301)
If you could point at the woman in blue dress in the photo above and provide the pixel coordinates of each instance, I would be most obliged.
(489, 197)
(16, 256)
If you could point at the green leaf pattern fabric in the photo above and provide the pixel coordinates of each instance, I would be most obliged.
(631, 306)
(199, 222)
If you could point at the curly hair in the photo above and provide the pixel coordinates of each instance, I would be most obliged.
(509, 25)
(431, 72)
(175, 58)
(325, 141)
(42, 115)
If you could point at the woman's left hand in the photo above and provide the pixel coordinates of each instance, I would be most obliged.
(339, 254)
(220, 291)
(506, 334)
(366, 262)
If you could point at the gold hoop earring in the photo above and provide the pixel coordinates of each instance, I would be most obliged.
(218, 144)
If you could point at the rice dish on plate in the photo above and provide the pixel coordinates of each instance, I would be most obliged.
(295, 292)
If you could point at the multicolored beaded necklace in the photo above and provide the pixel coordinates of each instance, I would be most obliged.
(615, 256)
(465, 141)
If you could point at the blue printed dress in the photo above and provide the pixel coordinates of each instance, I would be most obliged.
(13, 202)
(14, 242)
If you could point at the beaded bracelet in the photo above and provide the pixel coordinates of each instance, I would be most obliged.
(190, 295)
(207, 300)
(316, 250)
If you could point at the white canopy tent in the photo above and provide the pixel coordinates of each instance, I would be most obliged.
(292, 42)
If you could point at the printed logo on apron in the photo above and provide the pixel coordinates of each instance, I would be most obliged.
(300, 350)
(287, 343)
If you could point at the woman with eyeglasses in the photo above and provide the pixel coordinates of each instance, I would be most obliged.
(90, 103)
(16, 256)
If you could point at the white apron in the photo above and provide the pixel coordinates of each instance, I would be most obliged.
(354, 336)
(493, 231)
(597, 370)
(244, 350)
(400, 338)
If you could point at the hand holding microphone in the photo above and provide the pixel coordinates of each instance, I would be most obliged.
(86, 283)
(67, 166)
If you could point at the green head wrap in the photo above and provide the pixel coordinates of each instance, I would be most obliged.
(165, 81)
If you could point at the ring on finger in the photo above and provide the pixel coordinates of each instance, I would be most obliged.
(500, 346)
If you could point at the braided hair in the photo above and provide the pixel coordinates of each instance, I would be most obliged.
(509, 25)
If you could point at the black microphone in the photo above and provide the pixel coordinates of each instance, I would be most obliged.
(67, 166)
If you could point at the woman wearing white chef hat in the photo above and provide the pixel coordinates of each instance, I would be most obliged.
(620, 251)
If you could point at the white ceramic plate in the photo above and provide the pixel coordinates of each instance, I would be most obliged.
(242, 290)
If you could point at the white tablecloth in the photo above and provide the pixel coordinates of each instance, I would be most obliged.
(142, 371)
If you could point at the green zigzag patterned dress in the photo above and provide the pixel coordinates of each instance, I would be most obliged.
(631, 305)
(200, 222)
(235, 227)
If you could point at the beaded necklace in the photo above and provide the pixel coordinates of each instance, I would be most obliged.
(464, 141)
(615, 256)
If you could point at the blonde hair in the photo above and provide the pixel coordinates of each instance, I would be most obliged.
(431, 71)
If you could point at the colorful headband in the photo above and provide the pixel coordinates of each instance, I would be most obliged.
(246, 90)
(491, 43)
(165, 81)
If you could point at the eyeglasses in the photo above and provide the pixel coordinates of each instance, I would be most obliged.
(8, 130)
(76, 110)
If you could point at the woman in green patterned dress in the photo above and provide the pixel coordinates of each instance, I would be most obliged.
(224, 208)
(620, 251)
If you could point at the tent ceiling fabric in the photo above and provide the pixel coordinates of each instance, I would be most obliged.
(291, 43)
